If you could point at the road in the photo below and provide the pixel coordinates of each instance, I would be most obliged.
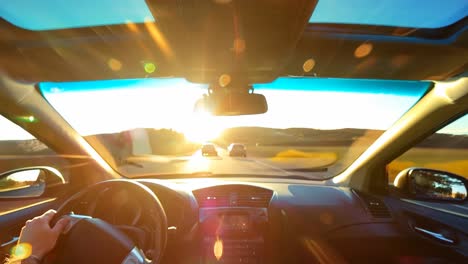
(221, 164)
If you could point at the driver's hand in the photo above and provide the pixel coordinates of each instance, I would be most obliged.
(38, 234)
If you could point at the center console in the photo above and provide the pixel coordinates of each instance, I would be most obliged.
(233, 235)
(233, 230)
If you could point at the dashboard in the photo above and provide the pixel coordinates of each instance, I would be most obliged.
(232, 221)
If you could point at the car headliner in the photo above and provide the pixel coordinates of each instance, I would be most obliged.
(335, 49)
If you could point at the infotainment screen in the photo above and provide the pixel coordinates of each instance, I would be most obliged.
(235, 222)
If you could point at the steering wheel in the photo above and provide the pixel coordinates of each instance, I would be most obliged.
(92, 240)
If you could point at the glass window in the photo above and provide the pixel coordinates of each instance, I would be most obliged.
(314, 127)
(446, 150)
(396, 13)
(19, 149)
(59, 14)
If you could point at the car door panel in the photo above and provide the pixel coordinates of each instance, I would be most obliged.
(13, 220)
(433, 224)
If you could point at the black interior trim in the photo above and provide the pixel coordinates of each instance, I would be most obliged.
(427, 33)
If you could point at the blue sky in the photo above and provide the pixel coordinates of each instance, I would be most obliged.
(55, 14)
(401, 13)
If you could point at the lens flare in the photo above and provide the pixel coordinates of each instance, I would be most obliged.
(218, 248)
(21, 251)
(27, 119)
(308, 65)
(114, 64)
(149, 67)
(363, 50)
(224, 80)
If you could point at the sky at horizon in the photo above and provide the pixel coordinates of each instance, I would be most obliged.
(169, 103)
(116, 105)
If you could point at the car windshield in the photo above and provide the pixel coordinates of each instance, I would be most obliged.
(313, 128)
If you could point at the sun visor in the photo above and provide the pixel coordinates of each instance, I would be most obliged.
(213, 37)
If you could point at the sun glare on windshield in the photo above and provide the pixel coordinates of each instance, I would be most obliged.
(201, 128)
(312, 126)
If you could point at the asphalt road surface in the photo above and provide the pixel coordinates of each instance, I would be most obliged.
(221, 164)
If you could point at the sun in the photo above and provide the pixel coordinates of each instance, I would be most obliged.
(202, 128)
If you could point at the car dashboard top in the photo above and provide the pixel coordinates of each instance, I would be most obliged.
(327, 207)
(253, 219)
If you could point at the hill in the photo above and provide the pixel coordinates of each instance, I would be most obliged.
(316, 137)
(170, 142)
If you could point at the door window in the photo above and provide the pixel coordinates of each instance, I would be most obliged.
(19, 149)
(445, 150)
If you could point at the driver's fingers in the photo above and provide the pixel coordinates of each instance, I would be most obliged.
(47, 216)
(60, 225)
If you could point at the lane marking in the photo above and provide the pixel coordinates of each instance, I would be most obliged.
(460, 206)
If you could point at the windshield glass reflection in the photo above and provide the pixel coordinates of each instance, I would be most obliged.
(313, 127)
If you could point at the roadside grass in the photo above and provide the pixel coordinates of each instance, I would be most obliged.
(451, 160)
(298, 157)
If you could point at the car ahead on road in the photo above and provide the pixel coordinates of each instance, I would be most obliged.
(209, 149)
(237, 150)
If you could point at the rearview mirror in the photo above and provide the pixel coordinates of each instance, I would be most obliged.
(28, 182)
(232, 104)
(430, 184)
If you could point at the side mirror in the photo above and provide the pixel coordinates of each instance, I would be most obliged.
(28, 182)
(427, 184)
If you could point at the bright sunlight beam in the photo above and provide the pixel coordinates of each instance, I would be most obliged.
(201, 128)
(119, 105)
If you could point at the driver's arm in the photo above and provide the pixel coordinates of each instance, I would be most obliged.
(37, 239)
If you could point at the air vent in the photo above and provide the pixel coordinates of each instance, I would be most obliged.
(375, 206)
(233, 196)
